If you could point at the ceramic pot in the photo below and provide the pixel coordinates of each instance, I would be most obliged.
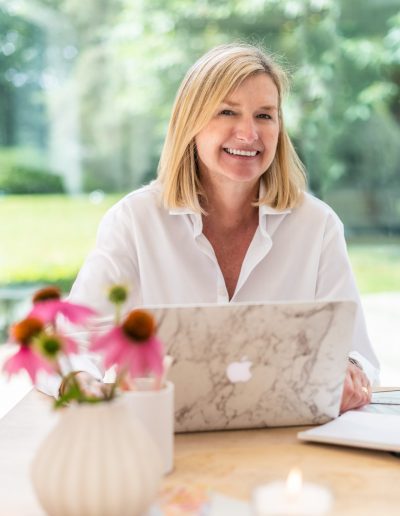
(98, 460)
(155, 409)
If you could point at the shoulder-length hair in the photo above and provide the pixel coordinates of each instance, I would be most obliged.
(207, 83)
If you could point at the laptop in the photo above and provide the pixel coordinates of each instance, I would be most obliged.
(240, 366)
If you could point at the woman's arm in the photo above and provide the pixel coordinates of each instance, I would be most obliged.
(336, 281)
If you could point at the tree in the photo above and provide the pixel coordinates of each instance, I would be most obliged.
(21, 61)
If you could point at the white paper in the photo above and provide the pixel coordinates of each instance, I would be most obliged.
(386, 398)
(359, 428)
(379, 408)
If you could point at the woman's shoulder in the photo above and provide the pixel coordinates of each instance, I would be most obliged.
(144, 199)
(313, 204)
(149, 193)
(313, 208)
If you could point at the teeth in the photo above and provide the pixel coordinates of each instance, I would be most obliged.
(237, 152)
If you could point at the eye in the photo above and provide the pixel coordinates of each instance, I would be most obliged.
(226, 112)
(264, 116)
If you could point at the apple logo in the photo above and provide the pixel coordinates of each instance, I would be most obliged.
(239, 371)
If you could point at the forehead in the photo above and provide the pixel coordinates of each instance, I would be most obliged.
(259, 89)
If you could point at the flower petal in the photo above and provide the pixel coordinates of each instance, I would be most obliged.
(112, 337)
(135, 363)
(27, 359)
(112, 345)
(145, 358)
(138, 358)
(114, 356)
(46, 311)
(70, 345)
(77, 314)
(154, 356)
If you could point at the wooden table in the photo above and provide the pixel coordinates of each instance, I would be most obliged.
(233, 463)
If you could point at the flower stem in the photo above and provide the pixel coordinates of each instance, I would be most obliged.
(118, 307)
(71, 377)
(117, 382)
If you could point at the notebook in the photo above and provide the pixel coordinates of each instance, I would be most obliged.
(256, 365)
(361, 428)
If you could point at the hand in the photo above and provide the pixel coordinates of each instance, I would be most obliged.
(356, 390)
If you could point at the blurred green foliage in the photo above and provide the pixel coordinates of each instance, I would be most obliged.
(23, 171)
(122, 61)
(22, 61)
(27, 180)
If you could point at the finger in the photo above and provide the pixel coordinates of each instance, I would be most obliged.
(362, 390)
(365, 386)
(355, 390)
(367, 392)
(348, 390)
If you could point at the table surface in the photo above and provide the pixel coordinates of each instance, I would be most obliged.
(363, 482)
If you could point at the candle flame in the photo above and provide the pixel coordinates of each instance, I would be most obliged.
(294, 482)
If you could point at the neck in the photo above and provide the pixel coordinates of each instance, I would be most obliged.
(230, 205)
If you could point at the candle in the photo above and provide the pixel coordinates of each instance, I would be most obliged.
(292, 498)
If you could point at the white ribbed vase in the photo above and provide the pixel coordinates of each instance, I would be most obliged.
(98, 460)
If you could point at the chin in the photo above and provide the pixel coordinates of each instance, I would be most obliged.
(244, 177)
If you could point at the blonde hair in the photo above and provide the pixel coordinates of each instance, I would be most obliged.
(207, 83)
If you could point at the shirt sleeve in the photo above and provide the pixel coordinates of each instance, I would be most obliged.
(112, 262)
(336, 281)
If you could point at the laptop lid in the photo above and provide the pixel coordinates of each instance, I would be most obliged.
(256, 365)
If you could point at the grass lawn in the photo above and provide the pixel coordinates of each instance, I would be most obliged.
(376, 263)
(46, 238)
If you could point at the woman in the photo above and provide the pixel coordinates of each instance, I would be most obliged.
(228, 219)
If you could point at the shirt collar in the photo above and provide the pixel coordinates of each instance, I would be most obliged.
(197, 221)
(194, 217)
(266, 209)
(182, 211)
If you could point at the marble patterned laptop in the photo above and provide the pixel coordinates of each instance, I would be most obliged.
(256, 365)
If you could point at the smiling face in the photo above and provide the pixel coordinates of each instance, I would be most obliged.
(239, 142)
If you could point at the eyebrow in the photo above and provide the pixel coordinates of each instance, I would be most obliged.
(236, 104)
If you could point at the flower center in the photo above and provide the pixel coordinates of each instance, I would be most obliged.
(50, 345)
(139, 325)
(118, 294)
(45, 294)
(25, 330)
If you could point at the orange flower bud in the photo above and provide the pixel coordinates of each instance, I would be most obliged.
(24, 331)
(46, 293)
(139, 325)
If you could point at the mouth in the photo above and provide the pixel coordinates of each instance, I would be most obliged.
(241, 152)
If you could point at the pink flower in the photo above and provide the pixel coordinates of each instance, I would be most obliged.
(38, 349)
(23, 332)
(50, 345)
(69, 345)
(26, 358)
(47, 305)
(132, 346)
(47, 311)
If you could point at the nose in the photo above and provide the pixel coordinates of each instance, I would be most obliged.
(246, 130)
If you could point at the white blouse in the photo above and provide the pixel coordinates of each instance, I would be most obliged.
(163, 257)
